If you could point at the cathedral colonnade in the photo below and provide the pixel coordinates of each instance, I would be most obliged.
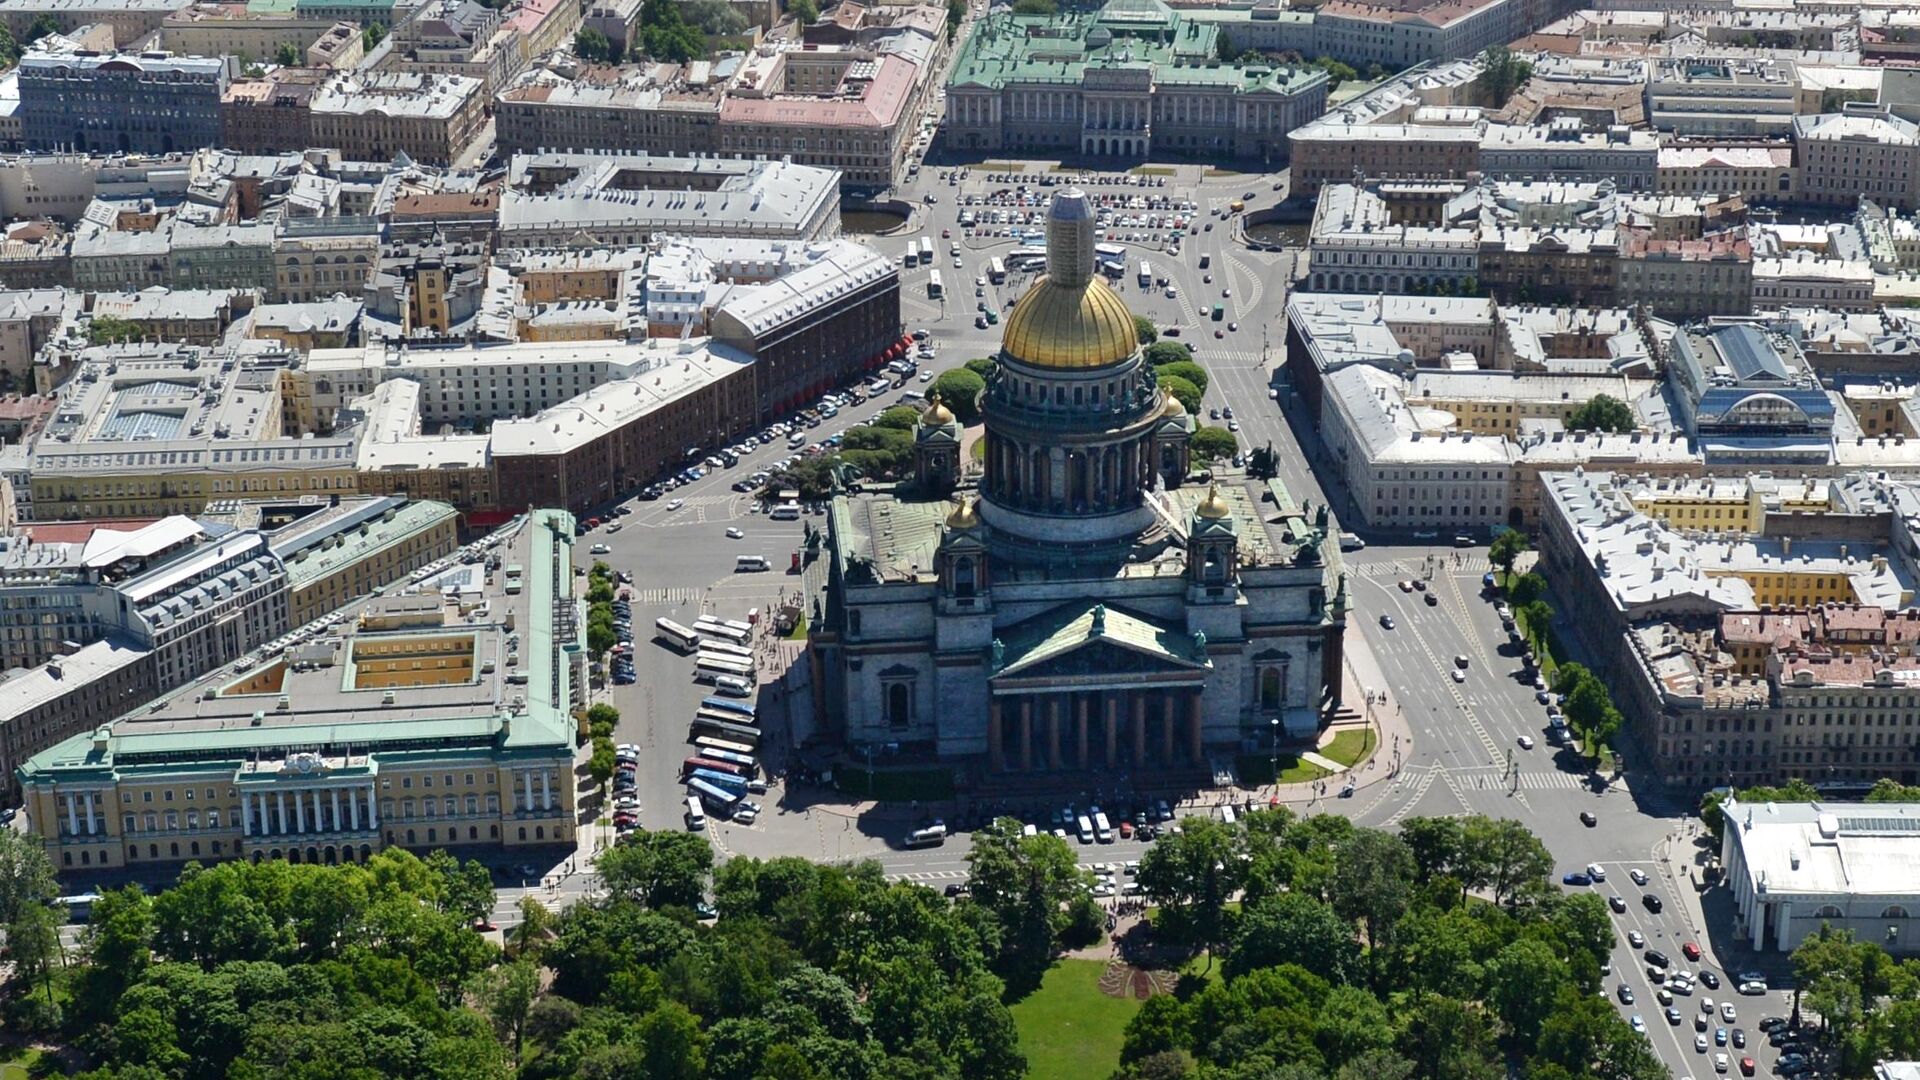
(1085, 729)
(1043, 479)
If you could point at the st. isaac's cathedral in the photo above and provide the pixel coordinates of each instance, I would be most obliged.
(1080, 604)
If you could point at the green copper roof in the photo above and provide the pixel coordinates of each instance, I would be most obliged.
(1006, 48)
(1064, 629)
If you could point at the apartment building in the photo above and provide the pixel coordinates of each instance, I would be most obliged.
(1849, 155)
(105, 103)
(1759, 174)
(1720, 96)
(430, 118)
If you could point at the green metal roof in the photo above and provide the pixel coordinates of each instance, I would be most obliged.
(1064, 629)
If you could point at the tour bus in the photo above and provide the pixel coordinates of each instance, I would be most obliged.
(1027, 258)
(935, 289)
(996, 270)
(724, 749)
(696, 815)
(675, 635)
(726, 729)
(709, 668)
(713, 795)
(694, 764)
(731, 718)
(724, 781)
(740, 758)
(1102, 831)
(725, 648)
(720, 704)
(1146, 274)
(1110, 253)
(926, 252)
(725, 629)
(79, 906)
(911, 257)
(932, 835)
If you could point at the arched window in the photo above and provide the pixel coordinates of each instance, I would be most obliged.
(899, 704)
(1827, 911)
(1894, 911)
(963, 577)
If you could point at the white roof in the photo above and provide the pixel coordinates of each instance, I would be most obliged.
(108, 546)
(1824, 849)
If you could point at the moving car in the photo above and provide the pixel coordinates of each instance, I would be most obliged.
(1575, 877)
(1587, 819)
(1652, 902)
(1692, 951)
(1638, 875)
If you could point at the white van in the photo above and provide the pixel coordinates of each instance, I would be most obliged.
(786, 512)
(796, 440)
(932, 836)
(1101, 830)
(1227, 815)
(732, 686)
(696, 814)
(1085, 828)
(746, 564)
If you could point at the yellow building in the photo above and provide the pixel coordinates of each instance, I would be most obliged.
(420, 724)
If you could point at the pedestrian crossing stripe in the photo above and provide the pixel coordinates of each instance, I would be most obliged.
(668, 596)
(928, 875)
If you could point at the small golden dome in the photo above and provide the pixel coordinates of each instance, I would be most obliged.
(1214, 506)
(1061, 326)
(964, 516)
(937, 413)
(1173, 407)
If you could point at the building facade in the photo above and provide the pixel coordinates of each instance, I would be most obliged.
(150, 103)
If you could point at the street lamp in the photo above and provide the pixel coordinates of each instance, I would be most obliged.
(1273, 762)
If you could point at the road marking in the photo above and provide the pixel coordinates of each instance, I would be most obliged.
(1420, 787)
(672, 597)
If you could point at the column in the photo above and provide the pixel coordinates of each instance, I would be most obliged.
(336, 810)
(1026, 732)
(1053, 731)
(93, 823)
(526, 784)
(280, 798)
(1113, 727)
(1193, 723)
(353, 808)
(1166, 726)
(1080, 727)
(73, 814)
(299, 812)
(319, 819)
(373, 810)
(996, 743)
(246, 814)
(546, 792)
(1139, 728)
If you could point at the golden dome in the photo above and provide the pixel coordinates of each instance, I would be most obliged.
(1173, 407)
(1060, 326)
(963, 516)
(937, 413)
(1214, 506)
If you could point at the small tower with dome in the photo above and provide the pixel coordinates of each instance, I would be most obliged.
(936, 449)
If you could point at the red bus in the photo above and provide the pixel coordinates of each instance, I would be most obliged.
(693, 763)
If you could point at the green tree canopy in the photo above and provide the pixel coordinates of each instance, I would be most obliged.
(1187, 394)
(1603, 413)
(1501, 73)
(1507, 549)
(803, 10)
(960, 390)
(982, 366)
(1185, 369)
(1143, 327)
(113, 330)
(1162, 353)
(1209, 443)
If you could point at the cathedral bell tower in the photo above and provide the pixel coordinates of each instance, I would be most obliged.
(1213, 550)
(936, 449)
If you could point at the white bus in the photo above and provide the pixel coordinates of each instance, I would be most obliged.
(786, 511)
(675, 635)
(911, 257)
(747, 564)
(709, 627)
(726, 648)
(724, 663)
(1102, 830)
(713, 744)
(1146, 274)
(1027, 258)
(996, 270)
(696, 814)
(735, 733)
(935, 289)
(926, 252)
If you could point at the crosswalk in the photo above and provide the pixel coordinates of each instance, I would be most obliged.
(1544, 780)
(929, 875)
(668, 596)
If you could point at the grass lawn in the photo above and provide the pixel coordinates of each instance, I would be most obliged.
(1215, 171)
(1069, 1030)
(1351, 747)
(1258, 769)
(23, 1065)
(1151, 170)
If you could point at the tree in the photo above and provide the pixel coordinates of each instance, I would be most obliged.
(113, 330)
(1187, 394)
(372, 35)
(1027, 883)
(506, 994)
(42, 25)
(1191, 875)
(1501, 856)
(33, 945)
(1292, 928)
(665, 34)
(1507, 549)
(26, 875)
(1538, 615)
(1337, 72)
(1501, 73)
(1525, 589)
(715, 18)
(982, 366)
(287, 54)
(899, 418)
(1188, 370)
(466, 889)
(1603, 413)
(9, 48)
(1888, 790)
(1434, 843)
(591, 44)
(960, 391)
(658, 869)
(1370, 884)
(1523, 981)
(956, 14)
(601, 764)
(1209, 443)
(529, 936)
(1162, 353)
(1143, 328)
(804, 11)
